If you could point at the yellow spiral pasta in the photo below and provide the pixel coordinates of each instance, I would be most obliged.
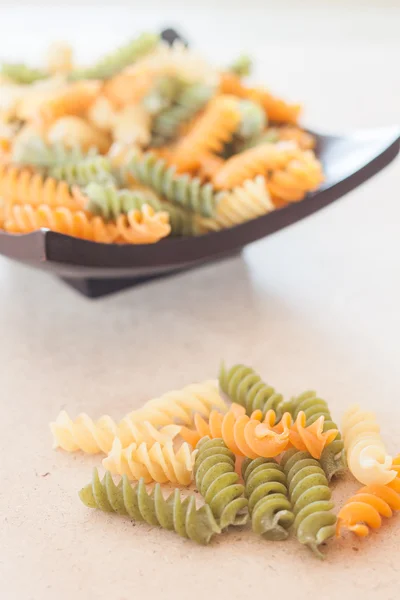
(255, 161)
(209, 133)
(137, 227)
(22, 186)
(156, 462)
(94, 437)
(367, 457)
(60, 58)
(301, 175)
(248, 201)
(73, 131)
(132, 125)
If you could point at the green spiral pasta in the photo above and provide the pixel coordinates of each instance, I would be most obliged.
(241, 66)
(217, 481)
(310, 496)
(82, 172)
(124, 56)
(187, 191)
(35, 152)
(162, 95)
(253, 120)
(333, 458)
(269, 505)
(109, 202)
(268, 136)
(188, 103)
(20, 73)
(244, 386)
(172, 513)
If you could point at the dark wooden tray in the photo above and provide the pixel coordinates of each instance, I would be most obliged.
(97, 269)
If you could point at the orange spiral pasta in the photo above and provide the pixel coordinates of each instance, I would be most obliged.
(252, 162)
(312, 438)
(242, 434)
(209, 164)
(209, 133)
(277, 110)
(22, 186)
(289, 133)
(301, 175)
(137, 227)
(364, 510)
(127, 88)
(74, 100)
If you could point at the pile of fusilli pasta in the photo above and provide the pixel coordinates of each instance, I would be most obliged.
(257, 458)
(150, 141)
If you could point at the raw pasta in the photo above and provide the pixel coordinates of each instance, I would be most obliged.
(154, 462)
(171, 513)
(218, 483)
(367, 457)
(310, 496)
(269, 506)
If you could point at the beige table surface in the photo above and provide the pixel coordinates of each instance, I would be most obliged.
(314, 306)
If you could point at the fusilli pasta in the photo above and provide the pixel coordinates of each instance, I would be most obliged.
(153, 462)
(172, 513)
(217, 482)
(82, 172)
(310, 497)
(269, 505)
(367, 457)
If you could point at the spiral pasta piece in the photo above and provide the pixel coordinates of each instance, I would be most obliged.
(364, 510)
(290, 133)
(187, 191)
(277, 109)
(127, 88)
(209, 133)
(94, 437)
(241, 66)
(136, 227)
(177, 406)
(244, 386)
(367, 457)
(73, 100)
(82, 172)
(269, 506)
(119, 59)
(252, 121)
(301, 175)
(171, 513)
(22, 186)
(255, 161)
(243, 435)
(217, 482)
(59, 58)
(248, 201)
(152, 462)
(20, 73)
(312, 438)
(189, 102)
(132, 125)
(74, 131)
(310, 497)
(35, 152)
(332, 459)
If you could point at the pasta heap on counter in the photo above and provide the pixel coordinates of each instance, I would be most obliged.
(150, 141)
(257, 458)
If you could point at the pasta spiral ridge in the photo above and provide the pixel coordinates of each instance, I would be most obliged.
(252, 121)
(171, 513)
(136, 227)
(244, 436)
(364, 510)
(82, 172)
(177, 406)
(187, 191)
(244, 386)
(210, 132)
(189, 102)
(269, 506)
(35, 152)
(22, 186)
(310, 496)
(367, 457)
(333, 458)
(20, 73)
(118, 59)
(248, 201)
(154, 462)
(300, 175)
(109, 202)
(217, 482)
(94, 437)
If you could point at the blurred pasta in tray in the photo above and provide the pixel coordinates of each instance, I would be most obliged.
(150, 141)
